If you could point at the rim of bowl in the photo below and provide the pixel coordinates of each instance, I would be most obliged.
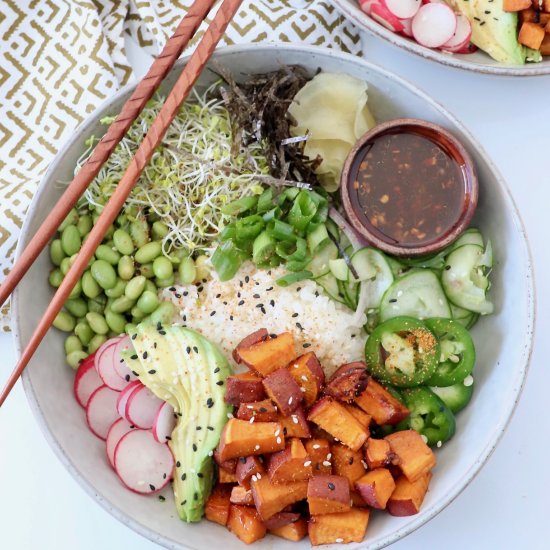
(363, 21)
(527, 344)
(445, 140)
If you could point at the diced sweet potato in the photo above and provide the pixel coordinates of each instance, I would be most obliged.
(546, 6)
(319, 452)
(254, 338)
(226, 477)
(347, 463)
(344, 527)
(261, 411)
(412, 455)
(295, 425)
(243, 388)
(217, 505)
(291, 464)
(228, 465)
(248, 467)
(281, 519)
(283, 390)
(516, 5)
(328, 494)
(357, 500)
(245, 522)
(360, 415)
(241, 438)
(332, 417)
(241, 496)
(309, 375)
(348, 382)
(271, 498)
(544, 19)
(531, 35)
(545, 46)
(376, 487)
(269, 355)
(381, 405)
(295, 531)
(377, 453)
(530, 15)
(408, 496)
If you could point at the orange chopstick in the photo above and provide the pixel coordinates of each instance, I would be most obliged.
(152, 139)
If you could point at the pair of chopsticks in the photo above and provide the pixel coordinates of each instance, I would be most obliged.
(130, 111)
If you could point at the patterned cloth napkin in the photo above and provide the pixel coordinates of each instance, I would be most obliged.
(59, 59)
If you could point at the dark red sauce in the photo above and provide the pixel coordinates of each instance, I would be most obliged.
(407, 189)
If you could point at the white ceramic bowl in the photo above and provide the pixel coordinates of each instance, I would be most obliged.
(478, 62)
(503, 340)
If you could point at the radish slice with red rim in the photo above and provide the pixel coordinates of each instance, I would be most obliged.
(164, 423)
(101, 411)
(116, 432)
(403, 9)
(124, 344)
(142, 407)
(407, 27)
(143, 464)
(86, 381)
(433, 25)
(461, 37)
(124, 395)
(104, 364)
(380, 13)
(366, 5)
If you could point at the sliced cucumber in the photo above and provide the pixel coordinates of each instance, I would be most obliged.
(465, 278)
(462, 316)
(470, 236)
(397, 267)
(319, 265)
(416, 294)
(339, 268)
(329, 283)
(364, 264)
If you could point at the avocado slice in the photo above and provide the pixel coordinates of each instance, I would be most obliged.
(495, 31)
(182, 367)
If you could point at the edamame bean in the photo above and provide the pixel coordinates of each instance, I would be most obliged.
(164, 313)
(95, 342)
(106, 253)
(148, 302)
(126, 268)
(71, 219)
(122, 304)
(159, 230)
(97, 322)
(55, 278)
(123, 242)
(117, 290)
(64, 321)
(90, 288)
(149, 285)
(122, 220)
(116, 321)
(137, 314)
(146, 270)
(163, 283)
(71, 240)
(135, 287)
(56, 252)
(110, 232)
(84, 224)
(75, 358)
(72, 343)
(139, 231)
(187, 271)
(162, 268)
(84, 332)
(104, 273)
(76, 307)
(130, 328)
(77, 290)
(203, 269)
(148, 252)
(65, 265)
(97, 304)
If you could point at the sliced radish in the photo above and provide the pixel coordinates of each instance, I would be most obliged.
(380, 13)
(143, 464)
(104, 364)
(101, 411)
(164, 423)
(124, 344)
(124, 395)
(116, 432)
(433, 25)
(407, 27)
(86, 381)
(142, 407)
(402, 9)
(461, 37)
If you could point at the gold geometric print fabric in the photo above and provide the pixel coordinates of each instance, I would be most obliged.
(59, 59)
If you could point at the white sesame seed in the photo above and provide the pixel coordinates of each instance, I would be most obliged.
(303, 390)
(211, 453)
(304, 377)
(326, 463)
(250, 406)
(339, 540)
(307, 463)
(365, 465)
(254, 478)
(439, 444)
(424, 438)
(277, 432)
(230, 415)
(296, 365)
(252, 419)
(468, 381)
(279, 440)
(258, 475)
(257, 448)
(294, 419)
(316, 446)
(290, 400)
(329, 456)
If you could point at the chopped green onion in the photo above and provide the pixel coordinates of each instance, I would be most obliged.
(281, 231)
(239, 206)
(227, 259)
(265, 201)
(263, 248)
(229, 232)
(288, 194)
(318, 238)
(247, 229)
(302, 211)
(291, 278)
(272, 214)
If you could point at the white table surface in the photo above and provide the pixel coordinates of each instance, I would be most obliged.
(42, 507)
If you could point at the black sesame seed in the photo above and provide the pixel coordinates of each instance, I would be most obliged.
(269, 289)
(163, 476)
(241, 303)
(273, 336)
(186, 293)
(257, 296)
(200, 475)
(177, 295)
(159, 326)
(306, 345)
(162, 332)
(194, 448)
(199, 428)
(134, 357)
(205, 280)
(295, 315)
(178, 464)
(350, 460)
(331, 486)
(447, 267)
(209, 402)
(241, 284)
(316, 294)
(262, 309)
(299, 326)
(152, 487)
(217, 369)
(212, 313)
(393, 300)
(196, 496)
(172, 289)
(154, 345)
(135, 373)
(195, 349)
(247, 279)
(134, 336)
(145, 355)
(127, 378)
(184, 318)
(219, 383)
(242, 460)
(183, 477)
(272, 303)
(285, 431)
(231, 317)
(188, 350)
(225, 303)
(152, 371)
(161, 498)
(210, 428)
(218, 295)
(262, 410)
(168, 438)
(317, 466)
(183, 503)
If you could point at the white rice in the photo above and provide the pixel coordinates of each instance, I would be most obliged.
(226, 312)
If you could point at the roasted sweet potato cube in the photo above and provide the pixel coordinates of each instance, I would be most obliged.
(228, 465)
(328, 494)
(281, 519)
(241, 496)
(261, 411)
(347, 382)
(283, 391)
(546, 6)
(408, 496)
(217, 505)
(268, 355)
(545, 46)
(531, 35)
(226, 477)
(530, 15)
(255, 338)
(344, 527)
(248, 467)
(291, 464)
(242, 438)
(332, 417)
(295, 531)
(381, 405)
(364, 419)
(412, 455)
(243, 388)
(516, 5)
(309, 375)
(245, 522)
(376, 487)
(320, 454)
(377, 453)
(347, 463)
(357, 500)
(271, 498)
(296, 424)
